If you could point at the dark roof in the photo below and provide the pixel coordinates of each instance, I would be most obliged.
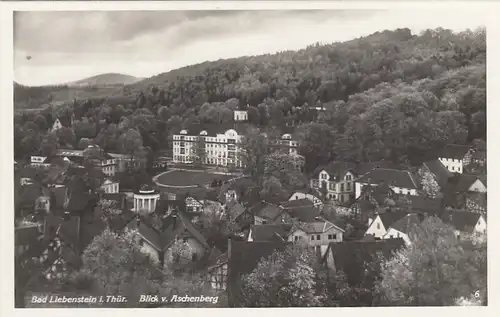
(65, 121)
(297, 203)
(465, 181)
(352, 257)
(235, 210)
(378, 193)
(406, 223)
(26, 234)
(461, 220)
(243, 258)
(58, 197)
(173, 225)
(336, 170)
(439, 170)
(265, 232)
(266, 210)
(454, 151)
(216, 258)
(423, 204)
(390, 217)
(303, 214)
(392, 177)
(316, 226)
(214, 129)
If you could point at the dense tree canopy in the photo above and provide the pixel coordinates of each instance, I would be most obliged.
(389, 95)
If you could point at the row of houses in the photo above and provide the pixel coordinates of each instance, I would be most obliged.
(344, 182)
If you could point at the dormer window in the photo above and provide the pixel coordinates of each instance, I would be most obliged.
(203, 132)
(183, 131)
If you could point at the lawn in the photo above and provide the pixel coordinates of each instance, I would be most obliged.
(189, 178)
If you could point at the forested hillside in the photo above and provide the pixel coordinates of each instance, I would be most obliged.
(389, 95)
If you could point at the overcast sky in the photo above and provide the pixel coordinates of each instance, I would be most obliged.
(67, 46)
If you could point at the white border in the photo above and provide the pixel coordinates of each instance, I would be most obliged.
(489, 11)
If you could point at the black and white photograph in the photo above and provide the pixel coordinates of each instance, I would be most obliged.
(249, 158)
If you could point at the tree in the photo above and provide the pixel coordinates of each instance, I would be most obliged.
(429, 185)
(180, 255)
(49, 145)
(66, 136)
(435, 270)
(41, 122)
(285, 168)
(316, 143)
(130, 142)
(284, 279)
(117, 266)
(199, 151)
(272, 189)
(84, 143)
(254, 148)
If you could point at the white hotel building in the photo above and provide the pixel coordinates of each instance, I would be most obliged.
(221, 144)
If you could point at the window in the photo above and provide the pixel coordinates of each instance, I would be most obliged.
(391, 236)
(318, 237)
(342, 187)
(378, 225)
(348, 186)
(185, 239)
(334, 236)
(312, 238)
(348, 177)
(296, 238)
(330, 237)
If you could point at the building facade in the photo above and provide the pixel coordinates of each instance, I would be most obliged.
(221, 148)
(145, 199)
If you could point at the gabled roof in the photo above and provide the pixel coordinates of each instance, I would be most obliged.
(406, 223)
(243, 258)
(216, 258)
(318, 226)
(390, 217)
(461, 220)
(392, 177)
(465, 181)
(266, 210)
(173, 225)
(303, 214)
(236, 210)
(297, 203)
(336, 170)
(265, 232)
(454, 151)
(439, 170)
(423, 204)
(351, 257)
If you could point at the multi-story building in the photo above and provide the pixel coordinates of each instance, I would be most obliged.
(455, 157)
(220, 145)
(211, 145)
(399, 181)
(93, 154)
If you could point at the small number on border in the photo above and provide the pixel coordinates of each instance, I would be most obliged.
(476, 294)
